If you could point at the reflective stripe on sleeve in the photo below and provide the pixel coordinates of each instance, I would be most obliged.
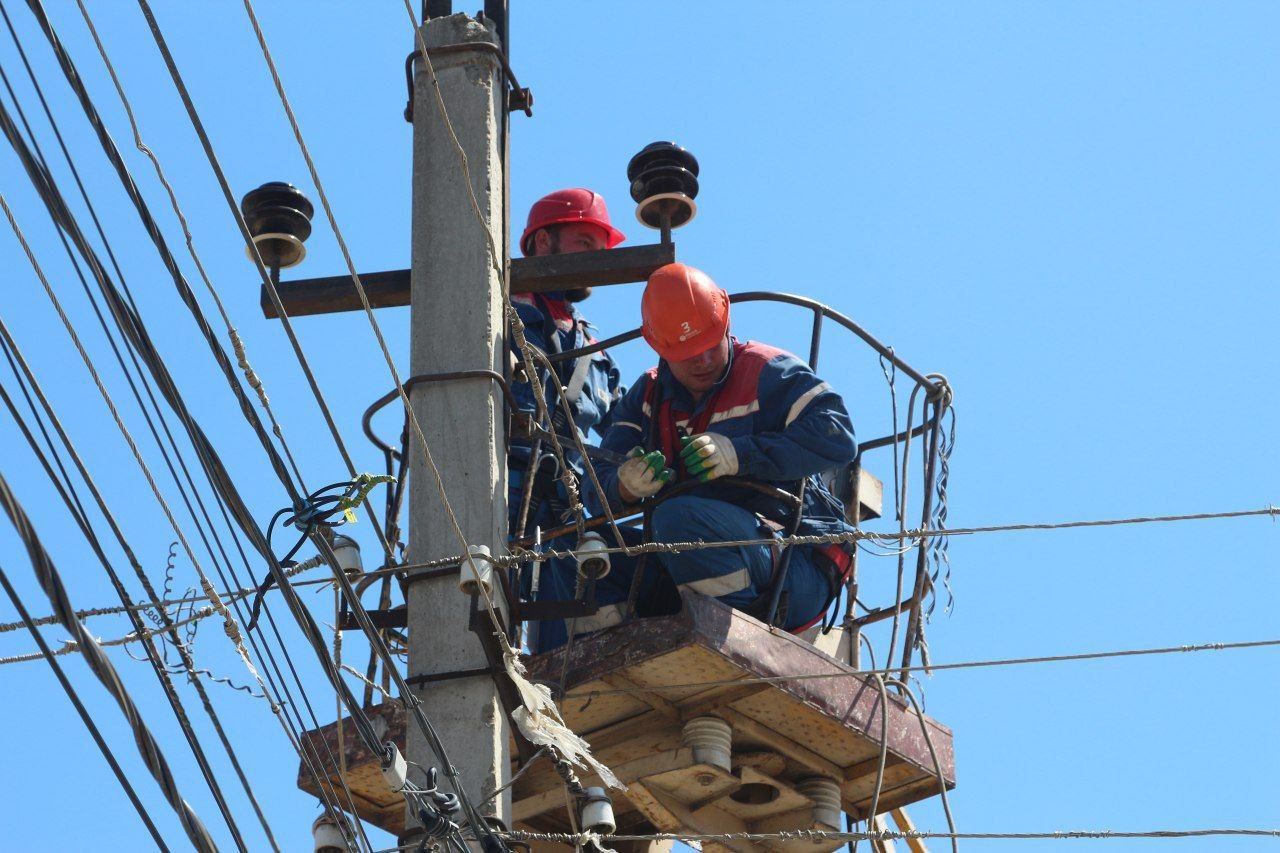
(805, 399)
(721, 584)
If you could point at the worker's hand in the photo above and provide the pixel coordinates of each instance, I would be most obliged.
(709, 455)
(643, 475)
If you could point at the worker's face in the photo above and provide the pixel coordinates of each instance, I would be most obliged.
(568, 239)
(700, 373)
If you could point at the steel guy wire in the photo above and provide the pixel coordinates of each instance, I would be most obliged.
(521, 555)
(256, 257)
(78, 512)
(131, 322)
(136, 636)
(250, 376)
(231, 627)
(368, 309)
(160, 667)
(411, 700)
(149, 749)
(816, 835)
(157, 238)
(210, 592)
(66, 224)
(930, 668)
(84, 714)
(208, 457)
(905, 690)
(188, 600)
(502, 269)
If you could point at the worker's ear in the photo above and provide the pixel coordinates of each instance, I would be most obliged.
(543, 242)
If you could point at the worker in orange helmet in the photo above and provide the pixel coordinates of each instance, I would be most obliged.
(723, 415)
(563, 222)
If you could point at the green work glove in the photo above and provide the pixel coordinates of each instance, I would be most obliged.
(708, 456)
(643, 474)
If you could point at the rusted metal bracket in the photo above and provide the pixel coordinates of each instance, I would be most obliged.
(395, 617)
(390, 289)
(518, 97)
(435, 677)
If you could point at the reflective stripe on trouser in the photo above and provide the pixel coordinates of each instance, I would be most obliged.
(737, 576)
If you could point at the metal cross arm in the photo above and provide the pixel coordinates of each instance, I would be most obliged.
(390, 289)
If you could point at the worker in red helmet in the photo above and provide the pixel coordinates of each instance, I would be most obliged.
(564, 222)
(716, 417)
(573, 220)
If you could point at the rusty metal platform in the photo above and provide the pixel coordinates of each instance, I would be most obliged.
(782, 732)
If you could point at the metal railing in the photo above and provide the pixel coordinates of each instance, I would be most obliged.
(936, 401)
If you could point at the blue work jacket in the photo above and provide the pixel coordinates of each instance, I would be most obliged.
(553, 325)
(785, 424)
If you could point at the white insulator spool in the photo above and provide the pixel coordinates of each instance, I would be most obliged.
(347, 550)
(395, 769)
(472, 582)
(328, 835)
(825, 794)
(711, 740)
(593, 558)
(597, 813)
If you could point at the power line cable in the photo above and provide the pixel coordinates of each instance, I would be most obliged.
(51, 582)
(153, 655)
(250, 375)
(256, 257)
(231, 627)
(582, 755)
(208, 458)
(131, 324)
(930, 668)
(139, 606)
(519, 555)
(84, 714)
(885, 835)
(127, 321)
(79, 513)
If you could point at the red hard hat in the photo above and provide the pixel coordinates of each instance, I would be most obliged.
(684, 312)
(575, 205)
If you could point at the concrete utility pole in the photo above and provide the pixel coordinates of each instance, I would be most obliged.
(457, 324)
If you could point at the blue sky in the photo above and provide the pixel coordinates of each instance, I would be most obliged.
(1069, 209)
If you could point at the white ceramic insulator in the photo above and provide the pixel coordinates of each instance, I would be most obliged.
(328, 835)
(347, 550)
(711, 740)
(483, 570)
(395, 770)
(591, 554)
(597, 813)
(825, 794)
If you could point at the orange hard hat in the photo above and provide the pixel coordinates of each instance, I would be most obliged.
(563, 206)
(684, 312)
